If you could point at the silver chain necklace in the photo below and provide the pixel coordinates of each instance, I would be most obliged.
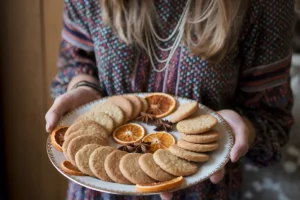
(153, 37)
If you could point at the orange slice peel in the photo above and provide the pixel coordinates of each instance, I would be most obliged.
(160, 104)
(159, 140)
(57, 137)
(161, 186)
(129, 134)
(68, 168)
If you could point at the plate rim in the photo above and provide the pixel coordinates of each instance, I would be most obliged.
(119, 192)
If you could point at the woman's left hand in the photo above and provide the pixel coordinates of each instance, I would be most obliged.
(244, 135)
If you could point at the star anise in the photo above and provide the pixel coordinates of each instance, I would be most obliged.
(139, 147)
(128, 148)
(163, 125)
(142, 147)
(146, 118)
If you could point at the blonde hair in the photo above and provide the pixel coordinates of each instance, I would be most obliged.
(211, 31)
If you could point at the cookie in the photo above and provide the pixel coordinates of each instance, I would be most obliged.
(99, 117)
(77, 143)
(111, 165)
(149, 166)
(196, 125)
(88, 126)
(130, 168)
(115, 112)
(96, 162)
(124, 104)
(137, 105)
(188, 155)
(184, 111)
(207, 137)
(173, 164)
(82, 158)
(144, 104)
(197, 147)
(68, 140)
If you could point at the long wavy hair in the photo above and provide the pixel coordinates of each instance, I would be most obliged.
(211, 31)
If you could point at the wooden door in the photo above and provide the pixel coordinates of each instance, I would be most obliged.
(30, 39)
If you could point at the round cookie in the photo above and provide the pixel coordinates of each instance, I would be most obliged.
(99, 117)
(96, 162)
(137, 105)
(77, 143)
(149, 166)
(111, 110)
(173, 164)
(68, 140)
(87, 126)
(124, 104)
(130, 168)
(207, 137)
(82, 158)
(188, 155)
(196, 125)
(111, 165)
(184, 111)
(197, 147)
(144, 104)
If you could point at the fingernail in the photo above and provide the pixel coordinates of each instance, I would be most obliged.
(47, 127)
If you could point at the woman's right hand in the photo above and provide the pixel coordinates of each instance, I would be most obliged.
(67, 102)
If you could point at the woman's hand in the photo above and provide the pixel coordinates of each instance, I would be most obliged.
(68, 101)
(244, 136)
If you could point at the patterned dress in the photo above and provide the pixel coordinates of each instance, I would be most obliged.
(253, 80)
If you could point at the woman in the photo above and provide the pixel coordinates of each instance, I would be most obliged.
(233, 56)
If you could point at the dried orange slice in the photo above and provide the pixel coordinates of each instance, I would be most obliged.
(159, 140)
(68, 168)
(57, 137)
(129, 133)
(161, 186)
(160, 104)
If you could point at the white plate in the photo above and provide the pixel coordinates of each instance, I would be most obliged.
(218, 158)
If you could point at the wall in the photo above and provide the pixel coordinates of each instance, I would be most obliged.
(30, 39)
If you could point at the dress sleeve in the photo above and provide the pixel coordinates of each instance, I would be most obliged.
(76, 53)
(263, 93)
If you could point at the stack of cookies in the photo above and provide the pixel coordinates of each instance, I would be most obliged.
(86, 148)
(87, 137)
(115, 111)
(197, 134)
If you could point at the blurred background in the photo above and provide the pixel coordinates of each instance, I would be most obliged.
(30, 31)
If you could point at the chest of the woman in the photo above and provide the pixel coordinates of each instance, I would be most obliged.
(124, 68)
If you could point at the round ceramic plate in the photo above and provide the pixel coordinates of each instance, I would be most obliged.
(218, 158)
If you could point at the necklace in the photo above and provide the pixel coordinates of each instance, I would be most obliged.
(153, 37)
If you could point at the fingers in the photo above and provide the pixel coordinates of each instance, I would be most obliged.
(67, 102)
(241, 133)
(239, 149)
(59, 107)
(166, 195)
(241, 146)
(218, 176)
